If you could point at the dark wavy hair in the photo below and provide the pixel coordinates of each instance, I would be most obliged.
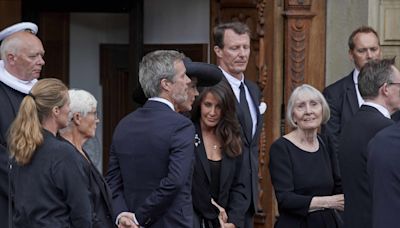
(228, 128)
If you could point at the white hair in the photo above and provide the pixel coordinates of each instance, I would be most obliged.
(81, 101)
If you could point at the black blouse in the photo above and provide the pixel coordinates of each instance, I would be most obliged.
(215, 171)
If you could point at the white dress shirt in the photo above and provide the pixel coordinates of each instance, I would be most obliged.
(355, 79)
(235, 83)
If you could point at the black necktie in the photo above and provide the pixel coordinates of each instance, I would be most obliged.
(246, 112)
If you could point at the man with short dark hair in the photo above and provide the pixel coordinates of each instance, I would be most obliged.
(232, 48)
(378, 86)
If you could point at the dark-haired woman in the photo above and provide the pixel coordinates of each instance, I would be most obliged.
(218, 146)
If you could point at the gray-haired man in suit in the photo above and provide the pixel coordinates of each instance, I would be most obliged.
(152, 152)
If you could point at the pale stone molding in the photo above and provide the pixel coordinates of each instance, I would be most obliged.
(389, 19)
(384, 16)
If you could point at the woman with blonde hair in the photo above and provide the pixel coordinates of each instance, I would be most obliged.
(48, 184)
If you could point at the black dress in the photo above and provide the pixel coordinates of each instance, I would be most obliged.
(297, 176)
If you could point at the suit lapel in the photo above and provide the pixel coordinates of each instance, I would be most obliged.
(94, 176)
(241, 120)
(226, 165)
(351, 94)
(103, 188)
(239, 112)
(255, 102)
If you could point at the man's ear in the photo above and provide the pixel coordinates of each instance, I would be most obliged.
(218, 51)
(351, 55)
(165, 84)
(10, 58)
(385, 89)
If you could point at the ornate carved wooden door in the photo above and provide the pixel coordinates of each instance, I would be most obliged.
(257, 15)
(287, 49)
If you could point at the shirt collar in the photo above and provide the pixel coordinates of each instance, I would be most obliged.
(380, 108)
(231, 79)
(163, 100)
(355, 75)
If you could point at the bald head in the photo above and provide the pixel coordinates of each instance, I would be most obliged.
(22, 53)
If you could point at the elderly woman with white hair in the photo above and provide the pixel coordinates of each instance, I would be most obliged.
(81, 127)
(303, 172)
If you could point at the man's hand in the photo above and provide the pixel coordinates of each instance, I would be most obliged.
(126, 220)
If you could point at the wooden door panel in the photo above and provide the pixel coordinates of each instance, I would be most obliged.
(54, 33)
(117, 88)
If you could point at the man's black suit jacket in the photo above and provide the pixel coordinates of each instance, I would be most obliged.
(343, 103)
(10, 101)
(151, 166)
(384, 177)
(352, 155)
(249, 166)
